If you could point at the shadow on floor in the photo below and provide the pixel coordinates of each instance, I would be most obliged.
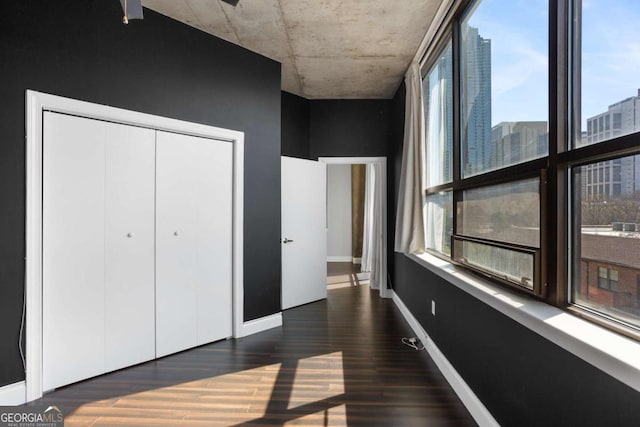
(338, 361)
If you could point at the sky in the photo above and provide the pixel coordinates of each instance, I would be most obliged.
(518, 30)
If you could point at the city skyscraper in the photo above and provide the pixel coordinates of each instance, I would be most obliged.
(476, 74)
(603, 180)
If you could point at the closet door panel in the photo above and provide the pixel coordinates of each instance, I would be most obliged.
(129, 246)
(73, 249)
(214, 196)
(176, 237)
(194, 268)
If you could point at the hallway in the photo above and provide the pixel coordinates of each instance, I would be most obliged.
(334, 363)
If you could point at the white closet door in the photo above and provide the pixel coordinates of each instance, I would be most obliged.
(214, 196)
(129, 246)
(73, 249)
(175, 240)
(193, 236)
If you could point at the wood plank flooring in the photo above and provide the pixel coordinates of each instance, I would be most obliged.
(337, 362)
(342, 274)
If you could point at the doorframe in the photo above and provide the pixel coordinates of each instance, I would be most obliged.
(36, 104)
(381, 191)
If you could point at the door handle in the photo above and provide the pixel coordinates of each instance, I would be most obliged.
(287, 240)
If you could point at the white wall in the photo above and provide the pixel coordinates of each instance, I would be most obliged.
(339, 212)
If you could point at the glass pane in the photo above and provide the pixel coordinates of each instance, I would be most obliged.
(439, 222)
(504, 83)
(507, 213)
(607, 180)
(514, 266)
(437, 88)
(613, 275)
(606, 276)
(609, 79)
(602, 272)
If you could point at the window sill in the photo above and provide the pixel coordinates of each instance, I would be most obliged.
(612, 353)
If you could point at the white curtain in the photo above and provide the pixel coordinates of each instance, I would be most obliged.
(435, 226)
(436, 145)
(372, 244)
(436, 129)
(409, 217)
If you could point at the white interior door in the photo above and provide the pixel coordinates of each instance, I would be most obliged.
(73, 249)
(304, 232)
(194, 186)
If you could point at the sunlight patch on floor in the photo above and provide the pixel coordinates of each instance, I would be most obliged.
(317, 378)
(347, 284)
(227, 399)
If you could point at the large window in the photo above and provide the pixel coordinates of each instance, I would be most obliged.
(605, 163)
(502, 74)
(503, 50)
(532, 172)
(607, 243)
(608, 61)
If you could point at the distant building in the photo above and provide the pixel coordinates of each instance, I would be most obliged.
(604, 180)
(476, 75)
(516, 142)
(610, 270)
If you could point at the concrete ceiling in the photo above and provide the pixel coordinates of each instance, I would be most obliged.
(329, 49)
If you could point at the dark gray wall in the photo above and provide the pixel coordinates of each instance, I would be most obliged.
(394, 163)
(80, 49)
(349, 128)
(335, 128)
(356, 128)
(295, 126)
(522, 378)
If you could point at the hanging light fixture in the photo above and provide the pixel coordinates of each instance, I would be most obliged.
(132, 10)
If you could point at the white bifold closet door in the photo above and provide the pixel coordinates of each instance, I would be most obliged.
(194, 190)
(98, 247)
(129, 246)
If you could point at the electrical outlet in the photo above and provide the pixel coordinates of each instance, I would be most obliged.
(433, 307)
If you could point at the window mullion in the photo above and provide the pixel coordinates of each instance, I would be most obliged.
(457, 141)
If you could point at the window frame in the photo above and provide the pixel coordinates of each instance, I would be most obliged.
(574, 156)
(442, 41)
(558, 257)
(535, 168)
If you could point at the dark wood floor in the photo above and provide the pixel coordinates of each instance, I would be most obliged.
(337, 362)
(342, 274)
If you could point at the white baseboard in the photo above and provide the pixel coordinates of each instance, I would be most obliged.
(339, 259)
(262, 324)
(475, 407)
(13, 394)
(356, 260)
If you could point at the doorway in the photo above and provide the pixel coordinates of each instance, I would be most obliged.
(353, 256)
